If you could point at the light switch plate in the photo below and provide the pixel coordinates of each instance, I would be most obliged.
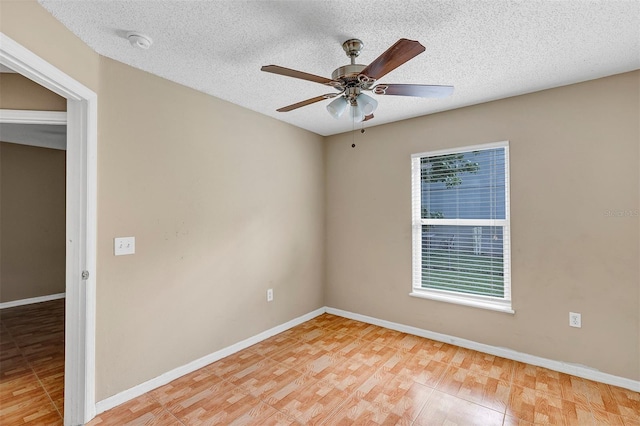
(124, 245)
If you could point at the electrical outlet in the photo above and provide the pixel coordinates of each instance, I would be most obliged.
(270, 295)
(575, 319)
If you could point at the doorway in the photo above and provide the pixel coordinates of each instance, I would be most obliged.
(81, 182)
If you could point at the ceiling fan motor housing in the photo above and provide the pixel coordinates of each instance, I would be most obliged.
(348, 72)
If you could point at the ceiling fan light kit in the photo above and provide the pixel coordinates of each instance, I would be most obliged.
(351, 80)
(337, 106)
(369, 104)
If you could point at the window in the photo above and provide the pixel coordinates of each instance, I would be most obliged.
(461, 238)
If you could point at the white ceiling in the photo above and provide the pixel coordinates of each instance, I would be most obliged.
(487, 49)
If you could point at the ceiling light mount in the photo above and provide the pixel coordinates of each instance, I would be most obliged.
(352, 48)
(139, 40)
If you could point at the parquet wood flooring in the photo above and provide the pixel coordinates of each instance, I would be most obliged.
(327, 371)
(32, 364)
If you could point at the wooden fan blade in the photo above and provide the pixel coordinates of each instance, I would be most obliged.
(287, 72)
(368, 117)
(417, 90)
(307, 102)
(402, 51)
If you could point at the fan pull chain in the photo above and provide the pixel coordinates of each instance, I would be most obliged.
(353, 131)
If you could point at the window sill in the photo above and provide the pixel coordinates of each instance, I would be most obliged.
(465, 302)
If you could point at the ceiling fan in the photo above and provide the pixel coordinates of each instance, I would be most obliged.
(352, 80)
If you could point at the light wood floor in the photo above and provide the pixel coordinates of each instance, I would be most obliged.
(32, 364)
(331, 371)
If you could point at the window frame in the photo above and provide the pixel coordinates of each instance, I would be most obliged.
(485, 302)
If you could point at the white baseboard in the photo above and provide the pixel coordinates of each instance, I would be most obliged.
(21, 302)
(163, 379)
(563, 367)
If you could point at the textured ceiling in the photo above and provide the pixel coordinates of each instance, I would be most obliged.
(487, 49)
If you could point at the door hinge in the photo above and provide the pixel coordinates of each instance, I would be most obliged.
(85, 275)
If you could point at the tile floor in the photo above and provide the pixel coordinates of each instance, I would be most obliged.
(336, 371)
(32, 364)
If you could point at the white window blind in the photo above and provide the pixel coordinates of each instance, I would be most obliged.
(461, 238)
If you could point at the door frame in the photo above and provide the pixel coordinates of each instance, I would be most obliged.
(81, 221)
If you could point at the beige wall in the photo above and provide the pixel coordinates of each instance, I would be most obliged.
(224, 203)
(574, 155)
(32, 203)
(18, 92)
(26, 22)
